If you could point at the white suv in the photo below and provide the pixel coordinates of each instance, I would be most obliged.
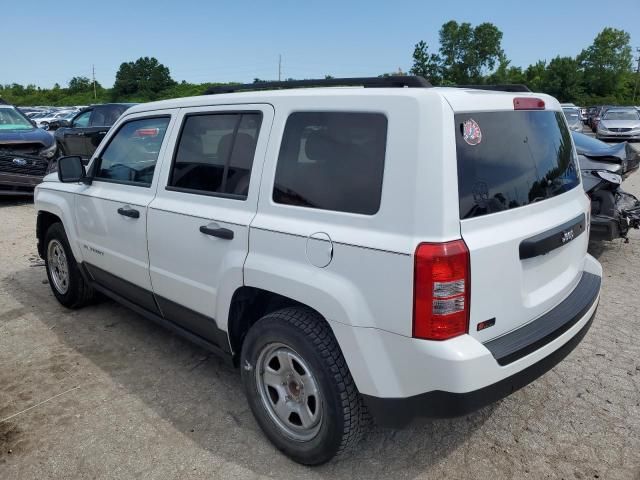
(382, 252)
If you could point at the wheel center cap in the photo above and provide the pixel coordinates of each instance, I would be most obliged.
(295, 389)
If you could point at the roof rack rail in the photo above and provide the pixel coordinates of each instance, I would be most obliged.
(515, 87)
(392, 81)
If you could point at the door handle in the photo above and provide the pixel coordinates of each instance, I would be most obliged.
(129, 212)
(216, 231)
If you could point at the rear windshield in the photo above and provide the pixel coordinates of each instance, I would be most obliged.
(511, 159)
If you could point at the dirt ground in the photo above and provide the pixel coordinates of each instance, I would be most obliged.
(104, 393)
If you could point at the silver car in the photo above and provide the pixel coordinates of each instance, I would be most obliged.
(619, 123)
(574, 118)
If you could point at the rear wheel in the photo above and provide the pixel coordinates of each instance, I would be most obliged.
(67, 283)
(299, 386)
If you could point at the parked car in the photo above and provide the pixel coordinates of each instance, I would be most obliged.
(583, 114)
(574, 118)
(349, 260)
(603, 167)
(25, 152)
(44, 120)
(619, 123)
(613, 211)
(622, 154)
(596, 117)
(83, 133)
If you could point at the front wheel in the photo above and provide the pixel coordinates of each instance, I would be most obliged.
(67, 283)
(299, 386)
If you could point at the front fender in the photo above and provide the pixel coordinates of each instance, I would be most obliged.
(61, 203)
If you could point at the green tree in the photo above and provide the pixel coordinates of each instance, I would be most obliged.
(563, 79)
(79, 84)
(506, 74)
(145, 79)
(607, 62)
(426, 64)
(468, 52)
(534, 76)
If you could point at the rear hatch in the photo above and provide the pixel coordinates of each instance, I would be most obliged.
(522, 214)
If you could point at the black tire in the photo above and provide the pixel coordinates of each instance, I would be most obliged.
(344, 416)
(78, 293)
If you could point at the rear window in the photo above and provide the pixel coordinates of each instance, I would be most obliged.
(511, 159)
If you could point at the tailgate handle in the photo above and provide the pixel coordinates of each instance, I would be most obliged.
(545, 242)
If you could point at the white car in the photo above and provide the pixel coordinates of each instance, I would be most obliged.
(382, 251)
(43, 122)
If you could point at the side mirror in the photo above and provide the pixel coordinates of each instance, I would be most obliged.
(61, 124)
(71, 169)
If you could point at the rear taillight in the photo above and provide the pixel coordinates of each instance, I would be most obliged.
(441, 290)
(528, 103)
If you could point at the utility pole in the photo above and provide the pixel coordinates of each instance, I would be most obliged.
(93, 74)
(279, 67)
(635, 88)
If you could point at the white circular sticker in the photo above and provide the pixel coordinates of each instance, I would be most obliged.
(471, 132)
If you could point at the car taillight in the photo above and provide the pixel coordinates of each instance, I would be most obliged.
(441, 290)
(528, 103)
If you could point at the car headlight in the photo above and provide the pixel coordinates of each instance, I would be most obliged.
(49, 152)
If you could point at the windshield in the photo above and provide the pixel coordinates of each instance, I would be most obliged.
(511, 159)
(572, 114)
(621, 115)
(10, 119)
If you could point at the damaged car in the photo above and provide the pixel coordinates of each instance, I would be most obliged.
(26, 152)
(603, 167)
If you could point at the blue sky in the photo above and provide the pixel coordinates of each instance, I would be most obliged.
(46, 42)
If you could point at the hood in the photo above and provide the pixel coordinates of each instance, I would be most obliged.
(620, 123)
(9, 138)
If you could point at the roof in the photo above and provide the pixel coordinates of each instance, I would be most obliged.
(459, 98)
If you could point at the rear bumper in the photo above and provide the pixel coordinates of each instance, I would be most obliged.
(397, 412)
(401, 378)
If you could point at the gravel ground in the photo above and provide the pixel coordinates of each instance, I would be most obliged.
(103, 393)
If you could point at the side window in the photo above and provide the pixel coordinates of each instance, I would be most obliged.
(82, 120)
(98, 117)
(133, 151)
(215, 154)
(106, 116)
(332, 161)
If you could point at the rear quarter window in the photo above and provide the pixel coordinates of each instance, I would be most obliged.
(332, 161)
(523, 157)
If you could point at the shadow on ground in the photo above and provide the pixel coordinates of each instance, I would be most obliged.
(203, 398)
(14, 200)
